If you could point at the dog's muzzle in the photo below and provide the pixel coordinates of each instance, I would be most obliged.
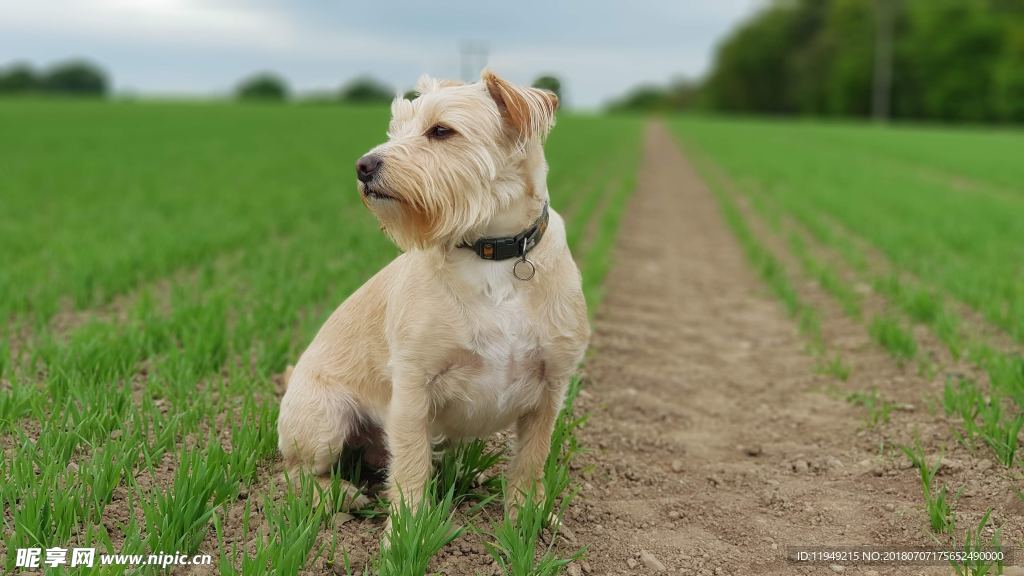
(367, 167)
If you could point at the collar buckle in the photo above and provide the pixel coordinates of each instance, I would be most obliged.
(507, 247)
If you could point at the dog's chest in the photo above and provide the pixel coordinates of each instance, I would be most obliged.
(501, 377)
(508, 346)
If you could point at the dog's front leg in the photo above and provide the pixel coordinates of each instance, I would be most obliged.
(533, 443)
(408, 438)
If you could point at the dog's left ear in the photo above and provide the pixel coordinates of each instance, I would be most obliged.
(529, 112)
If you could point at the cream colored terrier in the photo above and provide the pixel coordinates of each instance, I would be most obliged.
(478, 325)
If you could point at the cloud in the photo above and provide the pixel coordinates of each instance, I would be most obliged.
(213, 25)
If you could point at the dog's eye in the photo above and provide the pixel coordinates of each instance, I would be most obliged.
(440, 132)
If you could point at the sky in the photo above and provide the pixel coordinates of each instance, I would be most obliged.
(599, 48)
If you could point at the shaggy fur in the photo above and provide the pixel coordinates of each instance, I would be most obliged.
(440, 343)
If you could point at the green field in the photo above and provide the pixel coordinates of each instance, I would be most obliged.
(943, 205)
(917, 236)
(941, 209)
(162, 263)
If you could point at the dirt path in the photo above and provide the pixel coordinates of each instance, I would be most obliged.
(713, 444)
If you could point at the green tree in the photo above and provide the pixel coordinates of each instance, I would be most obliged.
(952, 59)
(366, 90)
(947, 54)
(263, 86)
(77, 78)
(1009, 75)
(18, 79)
(832, 71)
(679, 95)
(645, 98)
(752, 67)
(549, 82)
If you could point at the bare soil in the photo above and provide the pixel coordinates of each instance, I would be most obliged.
(714, 443)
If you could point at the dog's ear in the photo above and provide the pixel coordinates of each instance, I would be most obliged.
(529, 112)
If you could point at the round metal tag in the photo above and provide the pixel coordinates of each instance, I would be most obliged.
(524, 269)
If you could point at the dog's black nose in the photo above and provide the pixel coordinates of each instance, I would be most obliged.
(367, 167)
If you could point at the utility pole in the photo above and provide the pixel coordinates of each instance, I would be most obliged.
(472, 59)
(882, 89)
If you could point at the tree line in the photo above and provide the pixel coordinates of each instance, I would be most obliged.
(73, 77)
(266, 86)
(269, 87)
(948, 60)
(83, 78)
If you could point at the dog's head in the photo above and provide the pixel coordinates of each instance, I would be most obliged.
(455, 157)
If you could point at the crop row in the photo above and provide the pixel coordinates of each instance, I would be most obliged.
(827, 198)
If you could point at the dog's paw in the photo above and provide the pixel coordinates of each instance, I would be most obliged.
(555, 524)
(517, 493)
(345, 499)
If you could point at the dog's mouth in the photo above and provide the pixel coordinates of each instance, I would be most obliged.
(375, 193)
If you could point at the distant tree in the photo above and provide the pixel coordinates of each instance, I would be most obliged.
(549, 82)
(410, 95)
(684, 94)
(679, 95)
(366, 90)
(751, 66)
(832, 71)
(952, 60)
(18, 79)
(1009, 75)
(947, 57)
(263, 86)
(645, 98)
(77, 78)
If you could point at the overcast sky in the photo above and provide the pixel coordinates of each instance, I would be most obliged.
(599, 48)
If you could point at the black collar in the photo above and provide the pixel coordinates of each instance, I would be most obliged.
(505, 247)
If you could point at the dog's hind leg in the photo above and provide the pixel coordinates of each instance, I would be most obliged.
(315, 422)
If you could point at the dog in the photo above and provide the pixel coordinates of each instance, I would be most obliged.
(477, 326)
